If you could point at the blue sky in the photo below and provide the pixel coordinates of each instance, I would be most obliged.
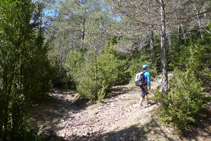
(52, 13)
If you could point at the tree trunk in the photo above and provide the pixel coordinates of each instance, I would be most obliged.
(205, 17)
(183, 33)
(83, 33)
(198, 21)
(82, 36)
(152, 46)
(169, 42)
(95, 69)
(170, 47)
(164, 84)
(151, 42)
(178, 34)
(199, 24)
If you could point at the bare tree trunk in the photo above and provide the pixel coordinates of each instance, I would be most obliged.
(199, 22)
(183, 33)
(151, 42)
(205, 17)
(152, 46)
(83, 32)
(164, 84)
(82, 35)
(170, 46)
(178, 33)
(169, 42)
(95, 69)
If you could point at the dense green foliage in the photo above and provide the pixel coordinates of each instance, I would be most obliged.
(24, 67)
(110, 71)
(187, 100)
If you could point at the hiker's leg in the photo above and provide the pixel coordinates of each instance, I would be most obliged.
(142, 98)
(147, 100)
(146, 93)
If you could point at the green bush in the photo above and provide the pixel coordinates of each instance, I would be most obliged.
(110, 71)
(75, 64)
(26, 132)
(81, 68)
(24, 66)
(185, 101)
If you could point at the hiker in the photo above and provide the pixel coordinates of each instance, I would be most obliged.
(144, 90)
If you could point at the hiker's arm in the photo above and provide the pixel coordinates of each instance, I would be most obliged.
(148, 80)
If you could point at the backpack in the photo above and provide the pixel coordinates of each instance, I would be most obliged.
(140, 79)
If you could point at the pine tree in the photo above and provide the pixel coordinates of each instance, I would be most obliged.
(25, 75)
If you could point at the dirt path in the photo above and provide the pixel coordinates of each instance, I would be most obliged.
(114, 119)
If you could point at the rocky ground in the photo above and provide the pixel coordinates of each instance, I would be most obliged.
(64, 116)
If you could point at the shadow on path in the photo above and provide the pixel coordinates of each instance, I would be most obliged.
(118, 90)
(55, 108)
(149, 131)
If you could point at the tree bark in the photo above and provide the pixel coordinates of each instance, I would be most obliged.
(170, 46)
(178, 33)
(82, 35)
(198, 21)
(169, 42)
(152, 46)
(164, 84)
(83, 32)
(205, 17)
(199, 24)
(95, 69)
(151, 42)
(183, 33)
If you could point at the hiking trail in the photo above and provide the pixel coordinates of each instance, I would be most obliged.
(64, 117)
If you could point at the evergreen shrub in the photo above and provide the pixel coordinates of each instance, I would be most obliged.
(24, 66)
(110, 71)
(185, 101)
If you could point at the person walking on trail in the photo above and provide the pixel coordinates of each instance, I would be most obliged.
(144, 90)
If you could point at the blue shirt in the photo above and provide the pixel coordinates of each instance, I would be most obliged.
(147, 77)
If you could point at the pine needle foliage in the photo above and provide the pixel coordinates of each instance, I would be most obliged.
(24, 67)
(185, 102)
(110, 71)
